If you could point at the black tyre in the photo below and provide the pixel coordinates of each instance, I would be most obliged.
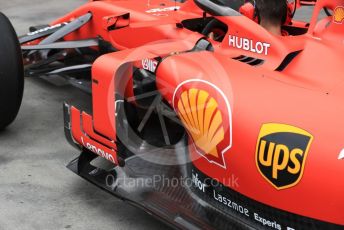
(11, 73)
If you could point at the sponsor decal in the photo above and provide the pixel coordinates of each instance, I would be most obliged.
(256, 214)
(281, 154)
(166, 9)
(338, 15)
(266, 222)
(149, 64)
(98, 151)
(227, 201)
(198, 183)
(341, 155)
(249, 45)
(233, 202)
(206, 114)
(47, 28)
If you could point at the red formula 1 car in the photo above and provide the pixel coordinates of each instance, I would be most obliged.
(240, 131)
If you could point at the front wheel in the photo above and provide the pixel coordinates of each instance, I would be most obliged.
(11, 73)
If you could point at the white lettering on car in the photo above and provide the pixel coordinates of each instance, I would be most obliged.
(249, 45)
(198, 183)
(100, 152)
(271, 223)
(157, 10)
(149, 64)
(46, 29)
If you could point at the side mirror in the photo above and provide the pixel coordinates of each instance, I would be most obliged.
(215, 8)
(115, 22)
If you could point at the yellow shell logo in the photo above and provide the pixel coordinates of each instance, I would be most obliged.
(207, 119)
(338, 15)
(200, 115)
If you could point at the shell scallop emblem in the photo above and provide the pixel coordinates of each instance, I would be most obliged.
(206, 115)
(338, 15)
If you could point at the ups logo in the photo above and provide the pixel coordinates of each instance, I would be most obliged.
(281, 154)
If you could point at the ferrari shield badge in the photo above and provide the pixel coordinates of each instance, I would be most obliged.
(281, 154)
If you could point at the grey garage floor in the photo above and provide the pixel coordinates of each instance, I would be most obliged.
(36, 190)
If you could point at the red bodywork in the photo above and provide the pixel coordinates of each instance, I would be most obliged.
(300, 84)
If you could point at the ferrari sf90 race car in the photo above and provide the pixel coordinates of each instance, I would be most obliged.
(238, 130)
